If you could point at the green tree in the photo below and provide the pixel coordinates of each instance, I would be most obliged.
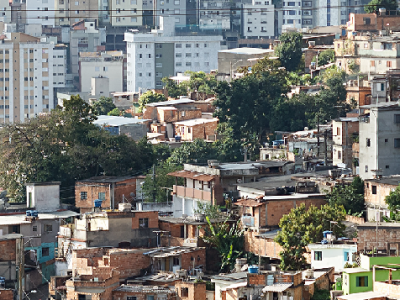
(289, 50)
(351, 197)
(115, 112)
(150, 97)
(64, 145)
(157, 188)
(375, 5)
(227, 239)
(174, 90)
(103, 106)
(304, 226)
(326, 57)
(393, 202)
(201, 82)
(246, 104)
(209, 210)
(198, 151)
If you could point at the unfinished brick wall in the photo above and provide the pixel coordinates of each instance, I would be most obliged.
(199, 257)
(277, 209)
(128, 263)
(368, 238)
(258, 246)
(6, 294)
(201, 131)
(152, 217)
(123, 187)
(174, 229)
(109, 285)
(55, 282)
(256, 279)
(170, 241)
(195, 291)
(7, 250)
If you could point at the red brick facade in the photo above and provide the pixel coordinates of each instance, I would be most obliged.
(7, 250)
(262, 247)
(191, 290)
(92, 187)
(6, 294)
(198, 256)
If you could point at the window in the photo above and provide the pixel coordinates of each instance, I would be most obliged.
(34, 228)
(178, 46)
(291, 12)
(133, 19)
(346, 256)
(386, 140)
(362, 281)
(178, 54)
(387, 46)
(83, 195)
(177, 2)
(188, 45)
(372, 63)
(291, 4)
(189, 130)
(339, 155)
(102, 195)
(188, 55)
(149, 55)
(188, 64)
(48, 227)
(144, 223)
(184, 292)
(389, 64)
(150, 297)
(368, 142)
(397, 118)
(367, 21)
(387, 166)
(182, 113)
(178, 64)
(373, 189)
(318, 255)
(45, 251)
(366, 169)
(14, 229)
(397, 143)
(158, 46)
(131, 298)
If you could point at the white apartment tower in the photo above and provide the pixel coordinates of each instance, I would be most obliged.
(26, 83)
(160, 53)
(258, 19)
(40, 12)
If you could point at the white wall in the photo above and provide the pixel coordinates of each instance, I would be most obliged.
(113, 70)
(40, 12)
(332, 256)
(45, 198)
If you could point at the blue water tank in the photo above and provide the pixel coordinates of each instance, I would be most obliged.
(28, 213)
(97, 203)
(34, 213)
(326, 232)
(177, 138)
(2, 280)
(253, 269)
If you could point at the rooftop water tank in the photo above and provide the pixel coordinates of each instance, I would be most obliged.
(97, 203)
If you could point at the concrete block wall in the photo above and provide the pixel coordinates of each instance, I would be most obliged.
(203, 130)
(368, 237)
(392, 290)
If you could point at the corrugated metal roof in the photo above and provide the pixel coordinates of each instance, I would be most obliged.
(277, 287)
(192, 175)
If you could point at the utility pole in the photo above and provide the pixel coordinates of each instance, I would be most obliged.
(21, 266)
(154, 183)
(325, 148)
(317, 135)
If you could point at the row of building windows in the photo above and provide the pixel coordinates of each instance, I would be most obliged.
(189, 64)
(206, 54)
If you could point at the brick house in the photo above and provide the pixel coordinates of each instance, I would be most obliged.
(382, 236)
(268, 211)
(375, 191)
(110, 228)
(262, 244)
(208, 184)
(8, 248)
(112, 190)
(200, 128)
(6, 294)
(173, 259)
(344, 132)
(190, 290)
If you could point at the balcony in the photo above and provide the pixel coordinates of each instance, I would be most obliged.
(182, 191)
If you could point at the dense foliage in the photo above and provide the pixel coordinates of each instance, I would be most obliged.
(64, 145)
(150, 97)
(350, 196)
(103, 106)
(393, 202)
(325, 57)
(304, 226)
(228, 239)
(375, 5)
(289, 50)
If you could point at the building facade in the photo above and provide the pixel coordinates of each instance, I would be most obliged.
(258, 19)
(26, 85)
(161, 53)
(379, 141)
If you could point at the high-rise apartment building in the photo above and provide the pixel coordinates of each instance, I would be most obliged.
(26, 85)
(160, 53)
(40, 12)
(126, 13)
(258, 19)
(69, 12)
(214, 14)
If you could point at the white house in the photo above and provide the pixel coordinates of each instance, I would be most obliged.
(332, 255)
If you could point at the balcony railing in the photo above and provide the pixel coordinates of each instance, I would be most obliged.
(182, 191)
